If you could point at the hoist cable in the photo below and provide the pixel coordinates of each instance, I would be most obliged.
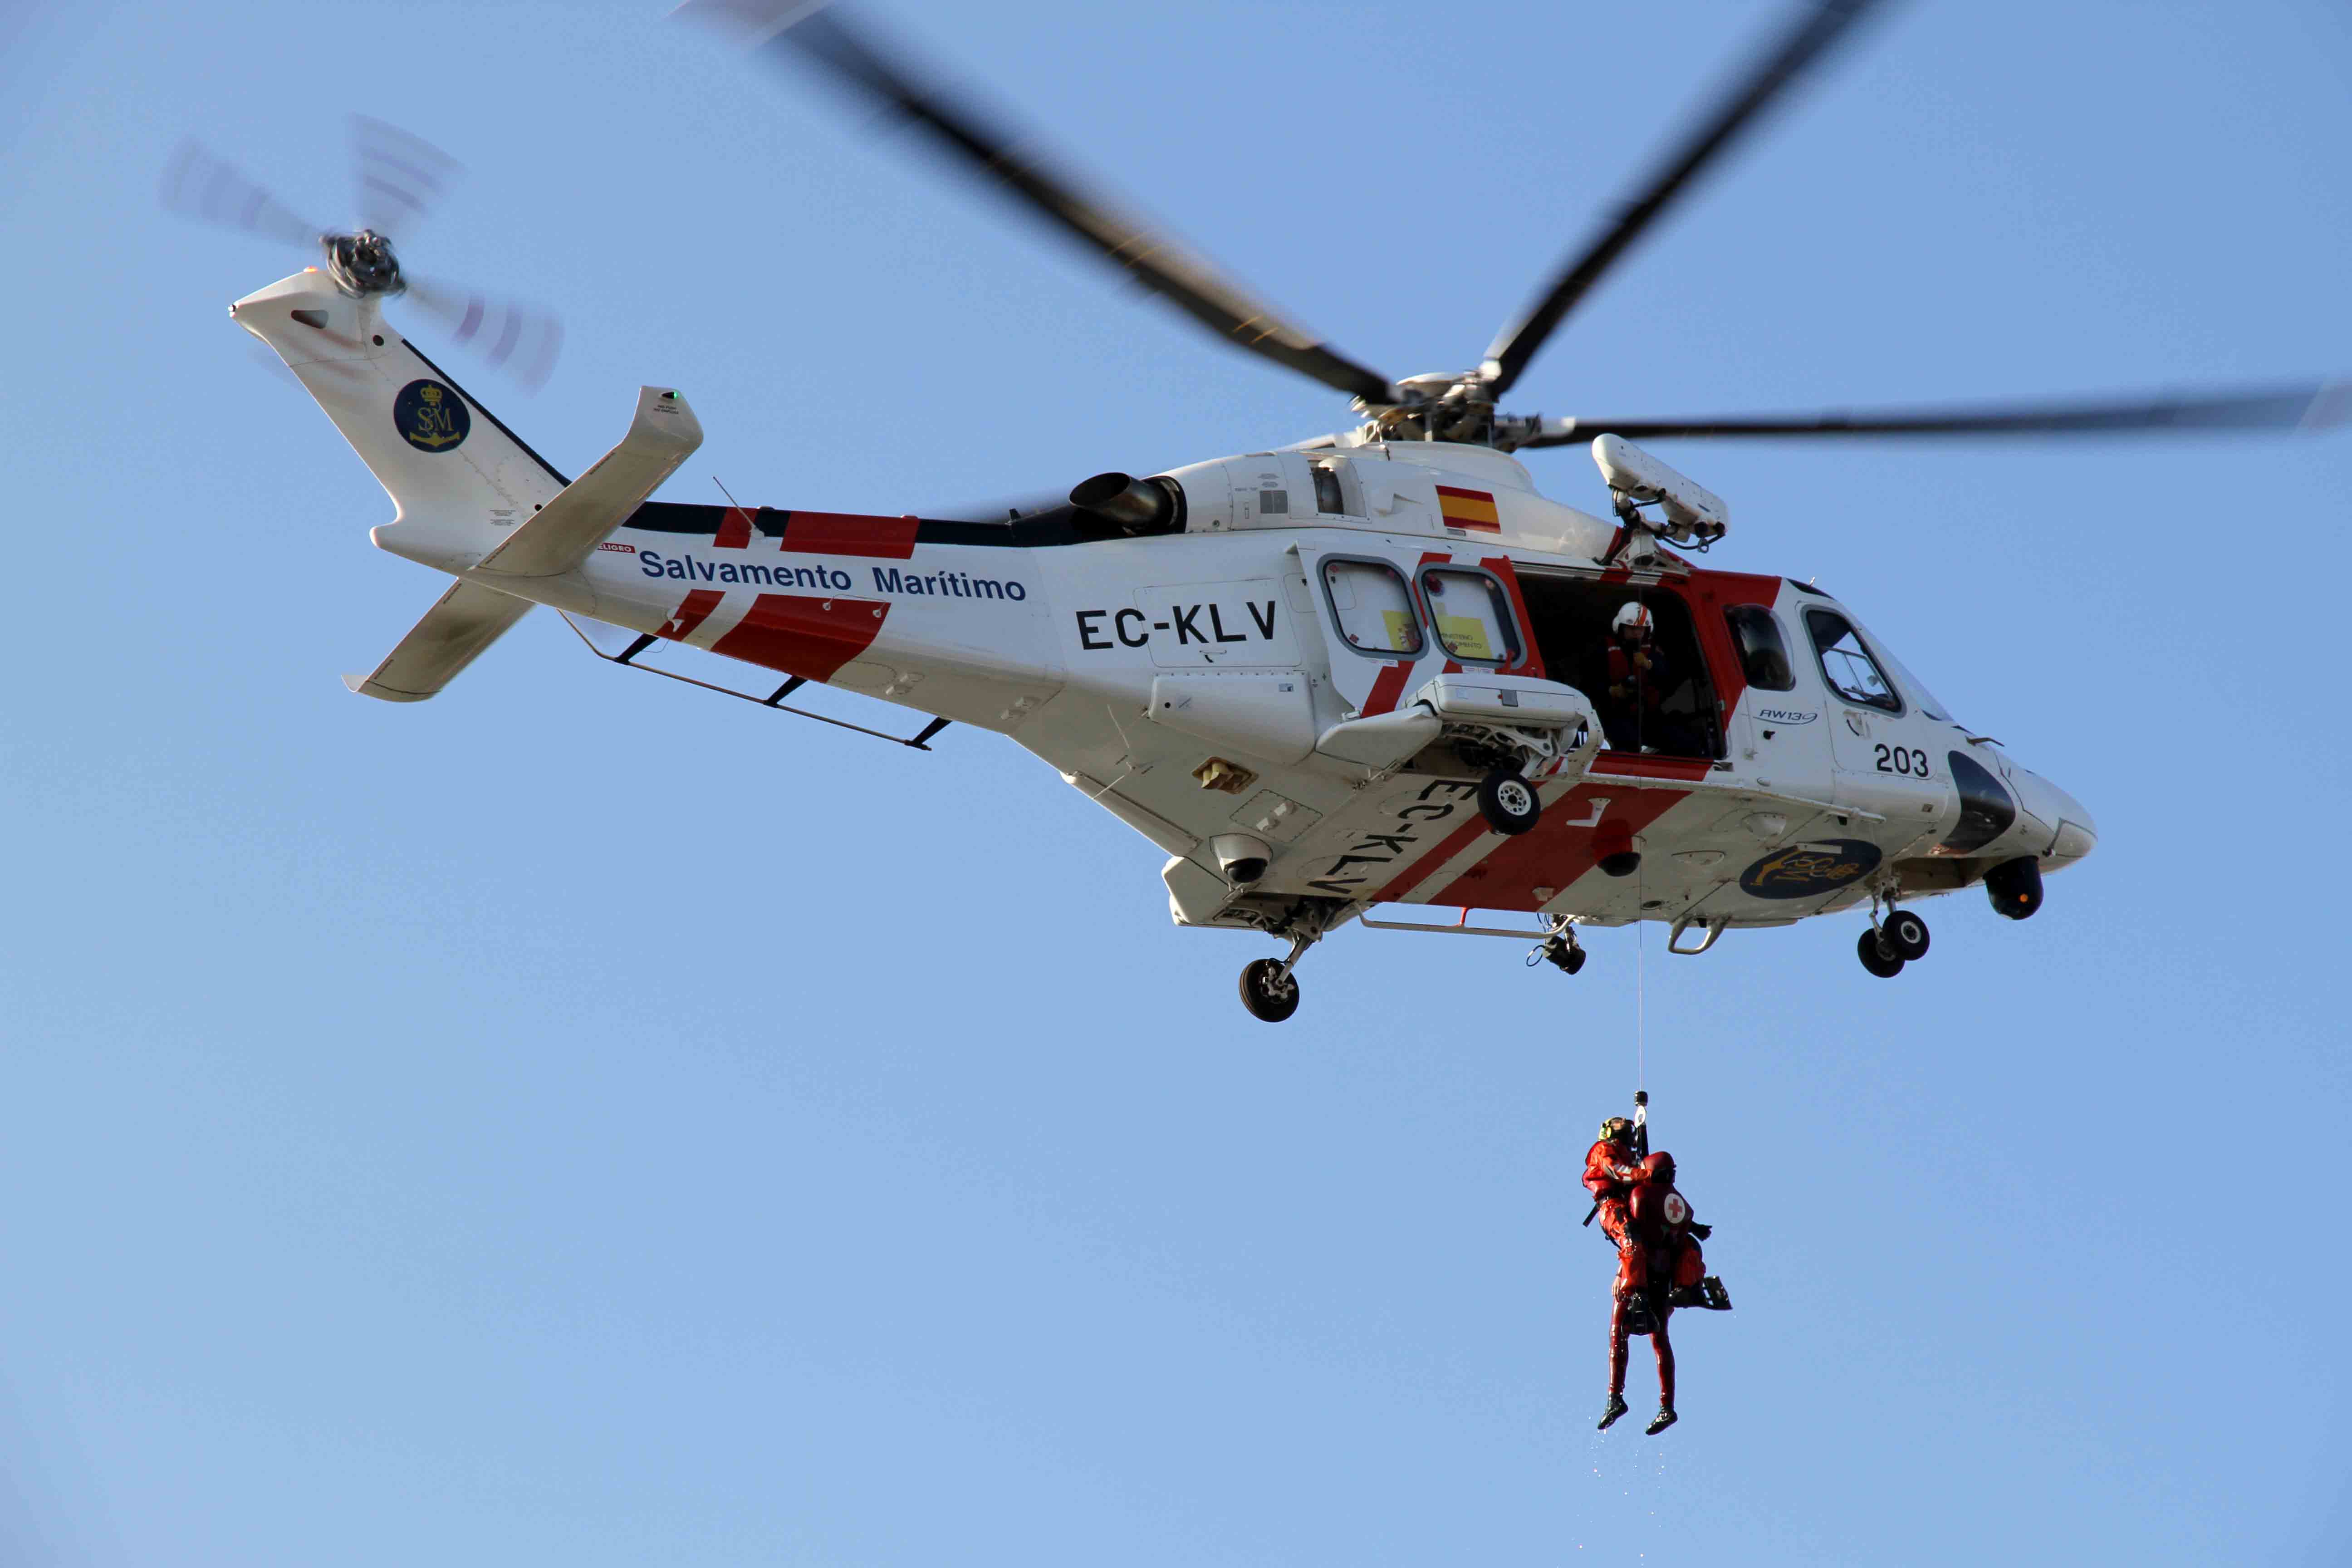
(1641, 992)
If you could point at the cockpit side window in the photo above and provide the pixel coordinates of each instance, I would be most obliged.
(1763, 655)
(1847, 665)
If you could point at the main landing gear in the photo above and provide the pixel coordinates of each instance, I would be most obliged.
(1270, 985)
(1509, 802)
(1888, 944)
(1269, 990)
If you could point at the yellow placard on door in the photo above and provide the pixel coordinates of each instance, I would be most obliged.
(1464, 637)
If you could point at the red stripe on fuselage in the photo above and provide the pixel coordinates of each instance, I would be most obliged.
(801, 635)
(692, 613)
(845, 534)
(1558, 848)
(1641, 765)
(1530, 658)
(734, 529)
(1715, 593)
(1387, 686)
(1450, 846)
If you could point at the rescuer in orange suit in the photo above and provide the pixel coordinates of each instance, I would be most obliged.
(1659, 1267)
(1611, 1170)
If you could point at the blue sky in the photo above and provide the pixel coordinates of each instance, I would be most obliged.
(583, 1120)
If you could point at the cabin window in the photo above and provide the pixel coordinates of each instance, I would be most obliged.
(1850, 670)
(1763, 655)
(1372, 607)
(1327, 499)
(1471, 614)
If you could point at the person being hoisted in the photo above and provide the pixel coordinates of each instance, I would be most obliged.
(1659, 1267)
(1659, 1263)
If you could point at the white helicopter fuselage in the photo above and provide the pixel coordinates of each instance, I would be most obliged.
(1293, 686)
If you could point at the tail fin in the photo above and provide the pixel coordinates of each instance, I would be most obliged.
(460, 482)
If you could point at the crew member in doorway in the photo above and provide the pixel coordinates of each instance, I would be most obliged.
(1659, 1267)
(1638, 681)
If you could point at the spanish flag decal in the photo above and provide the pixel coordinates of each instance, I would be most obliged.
(1469, 509)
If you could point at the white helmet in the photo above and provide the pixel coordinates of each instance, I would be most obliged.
(1634, 616)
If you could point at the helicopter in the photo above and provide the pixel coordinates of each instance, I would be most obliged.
(1370, 668)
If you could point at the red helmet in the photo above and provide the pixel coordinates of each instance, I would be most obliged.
(1659, 1168)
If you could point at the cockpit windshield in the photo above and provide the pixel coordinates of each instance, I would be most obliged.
(1862, 671)
(1928, 702)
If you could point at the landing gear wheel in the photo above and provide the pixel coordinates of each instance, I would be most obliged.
(1268, 994)
(1879, 961)
(1509, 802)
(1906, 933)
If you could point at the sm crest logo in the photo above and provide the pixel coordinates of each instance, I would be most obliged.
(430, 417)
(1808, 869)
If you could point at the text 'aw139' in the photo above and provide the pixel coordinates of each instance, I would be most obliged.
(1367, 670)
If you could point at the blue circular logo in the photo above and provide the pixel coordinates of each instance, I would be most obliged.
(1806, 870)
(430, 417)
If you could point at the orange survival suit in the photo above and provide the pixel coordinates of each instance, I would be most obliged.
(1657, 1256)
(1611, 1170)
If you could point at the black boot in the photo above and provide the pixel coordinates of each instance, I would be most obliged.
(1664, 1419)
(1617, 1406)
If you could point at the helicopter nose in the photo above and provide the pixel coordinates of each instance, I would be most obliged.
(2073, 832)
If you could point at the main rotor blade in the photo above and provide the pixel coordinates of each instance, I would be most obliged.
(521, 339)
(1819, 24)
(2310, 405)
(200, 185)
(398, 177)
(773, 26)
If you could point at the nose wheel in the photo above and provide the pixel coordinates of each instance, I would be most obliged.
(1887, 947)
(1906, 933)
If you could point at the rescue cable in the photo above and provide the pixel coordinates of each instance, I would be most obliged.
(1641, 992)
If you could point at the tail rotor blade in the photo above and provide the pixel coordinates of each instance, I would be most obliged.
(197, 184)
(398, 177)
(508, 335)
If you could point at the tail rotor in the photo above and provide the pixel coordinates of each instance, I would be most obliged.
(398, 180)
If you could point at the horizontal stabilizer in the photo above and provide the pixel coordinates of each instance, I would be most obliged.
(468, 619)
(562, 533)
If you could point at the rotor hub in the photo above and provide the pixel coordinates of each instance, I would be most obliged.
(362, 264)
(1441, 405)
